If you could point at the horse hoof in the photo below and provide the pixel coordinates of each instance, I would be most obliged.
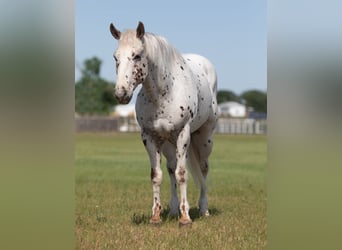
(155, 222)
(185, 223)
(205, 214)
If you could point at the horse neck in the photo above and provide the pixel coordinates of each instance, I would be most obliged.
(162, 59)
(158, 84)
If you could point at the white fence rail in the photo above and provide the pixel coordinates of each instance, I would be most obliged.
(223, 126)
(128, 124)
(241, 126)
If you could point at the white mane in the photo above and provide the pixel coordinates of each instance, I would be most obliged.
(160, 52)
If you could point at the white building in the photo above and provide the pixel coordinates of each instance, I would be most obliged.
(127, 119)
(124, 110)
(232, 109)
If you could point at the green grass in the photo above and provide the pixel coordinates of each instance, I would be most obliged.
(114, 196)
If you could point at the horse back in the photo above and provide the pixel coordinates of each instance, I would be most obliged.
(202, 65)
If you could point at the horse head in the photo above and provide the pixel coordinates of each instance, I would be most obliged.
(131, 61)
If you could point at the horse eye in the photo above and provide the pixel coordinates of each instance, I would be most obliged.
(137, 58)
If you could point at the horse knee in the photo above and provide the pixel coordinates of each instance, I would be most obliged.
(181, 175)
(156, 176)
(205, 168)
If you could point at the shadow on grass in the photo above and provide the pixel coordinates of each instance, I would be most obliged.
(138, 219)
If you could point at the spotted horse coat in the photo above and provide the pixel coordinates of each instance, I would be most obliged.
(176, 109)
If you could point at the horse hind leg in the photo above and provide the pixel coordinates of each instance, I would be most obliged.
(169, 151)
(202, 143)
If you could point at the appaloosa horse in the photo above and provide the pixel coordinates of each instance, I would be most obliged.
(176, 109)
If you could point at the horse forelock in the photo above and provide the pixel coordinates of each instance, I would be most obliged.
(129, 39)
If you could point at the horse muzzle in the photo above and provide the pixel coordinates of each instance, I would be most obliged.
(123, 96)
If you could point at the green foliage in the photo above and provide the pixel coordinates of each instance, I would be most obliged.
(256, 99)
(93, 95)
(227, 96)
(92, 67)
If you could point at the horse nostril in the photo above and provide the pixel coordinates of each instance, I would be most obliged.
(116, 96)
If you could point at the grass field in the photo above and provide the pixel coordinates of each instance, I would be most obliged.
(114, 196)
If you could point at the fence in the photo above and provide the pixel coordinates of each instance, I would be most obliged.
(241, 126)
(129, 124)
(96, 124)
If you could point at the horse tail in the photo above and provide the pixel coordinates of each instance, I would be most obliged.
(195, 168)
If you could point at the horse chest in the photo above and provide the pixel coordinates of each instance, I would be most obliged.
(166, 116)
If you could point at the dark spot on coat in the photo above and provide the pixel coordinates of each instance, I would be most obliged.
(185, 145)
(182, 108)
(182, 67)
(191, 113)
(182, 115)
(153, 173)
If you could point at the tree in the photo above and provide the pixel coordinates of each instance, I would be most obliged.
(92, 67)
(256, 99)
(93, 95)
(227, 96)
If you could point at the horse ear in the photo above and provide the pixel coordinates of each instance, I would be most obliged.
(115, 33)
(140, 30)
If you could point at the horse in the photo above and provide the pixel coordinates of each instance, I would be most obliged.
(176, 109)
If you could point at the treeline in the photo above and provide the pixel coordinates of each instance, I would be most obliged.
(94, 95)
(255, 99)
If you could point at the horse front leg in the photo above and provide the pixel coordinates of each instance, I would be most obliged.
(183, 142)
(153, 151)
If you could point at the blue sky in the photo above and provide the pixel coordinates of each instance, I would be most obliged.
(232, 34)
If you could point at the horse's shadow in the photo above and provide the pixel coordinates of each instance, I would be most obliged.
(138, 219)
